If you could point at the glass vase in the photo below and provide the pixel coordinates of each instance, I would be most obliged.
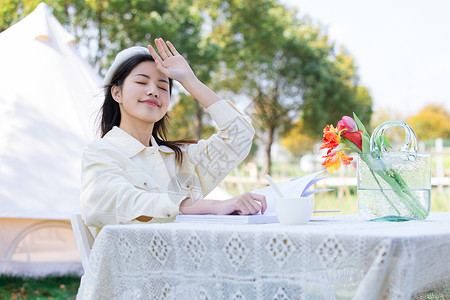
(394, 185)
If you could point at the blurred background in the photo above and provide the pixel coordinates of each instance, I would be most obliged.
(294, 66)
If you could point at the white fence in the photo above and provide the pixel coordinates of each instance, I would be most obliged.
(440, 178)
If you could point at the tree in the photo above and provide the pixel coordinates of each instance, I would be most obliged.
(12, 11)
(183, 116)
(332, 92)
(286, 67)
(243, 28)
(103, 28)
(296, 141)
(433, 121)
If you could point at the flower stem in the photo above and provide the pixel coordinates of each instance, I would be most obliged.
(399, 186)
(405, 189)
(385, 196)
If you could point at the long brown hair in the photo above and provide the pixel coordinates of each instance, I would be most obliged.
(110, 111)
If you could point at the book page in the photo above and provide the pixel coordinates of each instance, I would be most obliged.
(293, 188)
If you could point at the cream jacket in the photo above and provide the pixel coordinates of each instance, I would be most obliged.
(122, 179)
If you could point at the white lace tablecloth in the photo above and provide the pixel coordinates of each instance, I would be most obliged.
(332, 257)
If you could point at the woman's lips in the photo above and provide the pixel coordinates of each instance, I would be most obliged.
(150, 102)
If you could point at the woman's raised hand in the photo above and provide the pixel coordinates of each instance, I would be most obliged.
(170, 62)
(174, 66)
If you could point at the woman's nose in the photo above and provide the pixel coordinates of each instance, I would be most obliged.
(152, 90)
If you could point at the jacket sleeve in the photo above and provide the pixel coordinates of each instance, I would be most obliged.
(217, 156)
(112, 195)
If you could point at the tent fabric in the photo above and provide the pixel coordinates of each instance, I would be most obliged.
(34, 247)
(48, 103)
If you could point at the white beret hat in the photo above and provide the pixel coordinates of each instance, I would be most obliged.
(121, 57)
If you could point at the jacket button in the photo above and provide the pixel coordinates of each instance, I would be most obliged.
(145, 183)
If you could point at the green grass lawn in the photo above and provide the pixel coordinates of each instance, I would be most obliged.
(348, 202)
(51, 287)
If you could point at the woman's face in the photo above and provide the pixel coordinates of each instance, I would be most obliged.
(144, 96)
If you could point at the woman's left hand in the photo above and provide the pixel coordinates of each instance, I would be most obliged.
(170, 62)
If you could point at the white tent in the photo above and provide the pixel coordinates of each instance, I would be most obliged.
(48, 102)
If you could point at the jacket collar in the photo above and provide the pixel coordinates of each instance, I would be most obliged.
(161, 148)
(130, 146)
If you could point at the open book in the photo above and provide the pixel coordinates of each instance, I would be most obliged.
(298, 187)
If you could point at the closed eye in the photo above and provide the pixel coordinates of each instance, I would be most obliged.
(138, 82)
(163, 88)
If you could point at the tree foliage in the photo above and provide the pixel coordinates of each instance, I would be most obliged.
(296, 141)
(286, 67)
(183, 118)
(433, 121)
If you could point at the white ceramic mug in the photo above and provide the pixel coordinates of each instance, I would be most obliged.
(293, 211)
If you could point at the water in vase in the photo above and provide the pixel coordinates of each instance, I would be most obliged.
(374, 204)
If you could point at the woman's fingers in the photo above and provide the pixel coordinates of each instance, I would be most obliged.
(164, 46)
(158, 60)
(247, 207)
(254, 205)
(162, 49)
(248, 204)
(154, 54)
(172, 48)
(261, 199)
(254, 199)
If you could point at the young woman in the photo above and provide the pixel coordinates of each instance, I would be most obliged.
(133, 173)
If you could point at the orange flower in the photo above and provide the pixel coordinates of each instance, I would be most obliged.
(333, 160)
(331, 138)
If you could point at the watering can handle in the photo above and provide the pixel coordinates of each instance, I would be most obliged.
(409, 144)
